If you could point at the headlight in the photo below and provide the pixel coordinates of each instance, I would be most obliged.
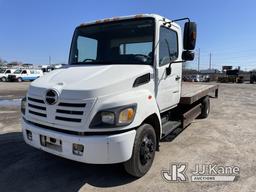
(114, 117)
(23, 105)
(108, 117)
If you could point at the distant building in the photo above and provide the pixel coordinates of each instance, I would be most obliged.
(27, 65)
(14, 64)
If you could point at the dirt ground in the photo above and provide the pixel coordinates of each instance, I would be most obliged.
(227, 137)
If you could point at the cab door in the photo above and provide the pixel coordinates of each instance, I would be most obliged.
(7, 72)
(168, 72)
(24, 75)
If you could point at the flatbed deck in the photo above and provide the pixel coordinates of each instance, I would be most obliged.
(192, 92)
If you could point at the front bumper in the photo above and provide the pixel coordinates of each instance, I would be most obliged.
(98, 149)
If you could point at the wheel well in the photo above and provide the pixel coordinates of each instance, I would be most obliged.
(154, 121)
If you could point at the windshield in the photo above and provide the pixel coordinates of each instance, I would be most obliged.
(119, 42)
(18, 71)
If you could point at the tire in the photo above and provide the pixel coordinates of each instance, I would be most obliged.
(3, 79)
(205, 110)
(143, 151)
(19, 79)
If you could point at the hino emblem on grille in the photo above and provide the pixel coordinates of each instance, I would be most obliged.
(51, 97)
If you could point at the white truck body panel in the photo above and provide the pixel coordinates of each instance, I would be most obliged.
(168, 89)
(96, 87)
(99, 149)
(100, 87)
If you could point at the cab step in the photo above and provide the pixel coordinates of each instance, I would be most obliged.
(169, 127)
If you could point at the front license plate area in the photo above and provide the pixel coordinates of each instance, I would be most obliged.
(51, 142)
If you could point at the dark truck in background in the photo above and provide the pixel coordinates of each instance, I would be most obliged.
(252, 77)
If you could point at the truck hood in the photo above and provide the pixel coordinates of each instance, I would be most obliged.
(89, 81)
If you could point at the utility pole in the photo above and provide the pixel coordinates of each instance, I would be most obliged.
(50, 60)
(198, 61)
(210, 61)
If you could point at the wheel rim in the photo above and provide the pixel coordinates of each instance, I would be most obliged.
(146, 150)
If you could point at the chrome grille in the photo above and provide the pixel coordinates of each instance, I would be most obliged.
(72, 112)
(69, 112)
(35, 100)
(36, 107)
(68, 119)
(38, 114)
(63, 113)
(72, 104)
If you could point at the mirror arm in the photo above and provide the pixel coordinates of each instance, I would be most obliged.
(181, 19)
(182, 61)
(175, 20)
(169, 69)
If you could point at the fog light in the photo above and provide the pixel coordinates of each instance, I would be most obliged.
(29, 135)
(78, 149)
(43, 140)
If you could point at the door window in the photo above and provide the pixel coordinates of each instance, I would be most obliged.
(168, 46)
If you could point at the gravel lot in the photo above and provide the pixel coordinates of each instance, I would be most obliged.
(227, 137)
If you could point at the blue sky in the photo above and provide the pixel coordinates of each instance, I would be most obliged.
(33, 30)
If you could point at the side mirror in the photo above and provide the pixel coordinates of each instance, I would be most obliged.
(189, 36)
(188, 55)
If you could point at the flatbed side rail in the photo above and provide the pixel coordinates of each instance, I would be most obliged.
(199, 94)
(190, 115)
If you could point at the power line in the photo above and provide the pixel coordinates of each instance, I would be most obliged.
(230, 51)
(210, 61)
(198, 60)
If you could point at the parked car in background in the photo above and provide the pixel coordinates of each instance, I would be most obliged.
(25, 75)
(195, 78)
(4, 73)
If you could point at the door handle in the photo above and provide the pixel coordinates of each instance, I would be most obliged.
(177, 78)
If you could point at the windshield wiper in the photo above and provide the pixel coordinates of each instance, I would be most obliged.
(94, 62)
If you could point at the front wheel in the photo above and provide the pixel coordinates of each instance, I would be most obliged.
(143, 151)
(3, 79)
(19, 79)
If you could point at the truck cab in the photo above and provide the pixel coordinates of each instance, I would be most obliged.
(4, 74)
(113, 101)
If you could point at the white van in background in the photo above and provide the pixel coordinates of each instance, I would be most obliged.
(4, 74)
(25, 75)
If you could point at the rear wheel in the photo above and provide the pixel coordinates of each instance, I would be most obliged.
(3, 79)
(205, 110)
(143, 151)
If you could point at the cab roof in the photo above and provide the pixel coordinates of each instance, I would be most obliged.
(154, 16)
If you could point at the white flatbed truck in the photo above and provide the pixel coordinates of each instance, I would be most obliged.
(120, 95)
